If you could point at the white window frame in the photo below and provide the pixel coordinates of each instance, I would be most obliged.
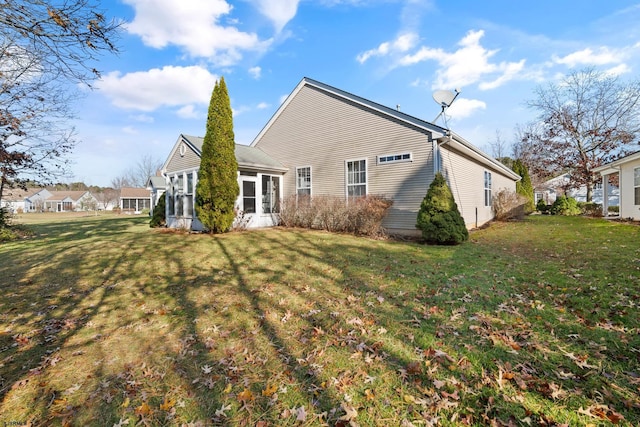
(387, 159)
(298, 187)
(244, 197)
(487, 189)
(274, 205)
(346, 177)
(636, 186)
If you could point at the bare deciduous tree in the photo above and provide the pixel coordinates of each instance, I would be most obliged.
(588, 119)
(46, 48)
(147, 166)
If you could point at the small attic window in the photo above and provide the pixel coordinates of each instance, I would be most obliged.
(394, 158)
(183, 149)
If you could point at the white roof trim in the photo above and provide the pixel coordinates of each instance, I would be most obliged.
(612, 167)
(463, 145)
(436, 130)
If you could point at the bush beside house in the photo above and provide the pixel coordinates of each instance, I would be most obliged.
(439, 218)
(158, 219)
(361, 216)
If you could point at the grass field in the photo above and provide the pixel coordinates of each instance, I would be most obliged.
(104, 321)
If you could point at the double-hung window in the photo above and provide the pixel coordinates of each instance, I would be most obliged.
(179, 194)
(188, 209)
(356, 178)
(487, 188)
(303, 181)
(169, 196)
(249, 196)
(636, 185)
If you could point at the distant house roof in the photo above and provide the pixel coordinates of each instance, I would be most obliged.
(156, 182)
(18, 194)
(134, 193)
(247, 157)
(61, 195)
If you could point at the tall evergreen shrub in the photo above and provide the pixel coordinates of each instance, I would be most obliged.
(439, 218)
(158, 217)
(217, 188)
(524, 186)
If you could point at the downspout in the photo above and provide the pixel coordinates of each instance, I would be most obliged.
(445, 139)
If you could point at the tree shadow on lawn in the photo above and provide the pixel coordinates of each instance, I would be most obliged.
(216, 321)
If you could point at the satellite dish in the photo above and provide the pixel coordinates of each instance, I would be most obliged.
(444, 98)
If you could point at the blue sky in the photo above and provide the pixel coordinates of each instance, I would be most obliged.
(394, 52)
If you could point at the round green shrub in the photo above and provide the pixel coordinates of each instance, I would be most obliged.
(565, 205)
(542, 206)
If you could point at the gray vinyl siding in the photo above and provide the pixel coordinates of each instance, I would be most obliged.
(190, 160)
(323, 131)
(466, 180)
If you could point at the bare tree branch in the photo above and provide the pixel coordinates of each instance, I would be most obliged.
(586, 120)
(46, 49)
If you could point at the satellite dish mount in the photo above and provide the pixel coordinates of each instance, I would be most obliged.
(444, 98)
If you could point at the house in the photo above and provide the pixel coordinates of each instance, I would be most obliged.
(134, 200)
(323, 141)
(69, 201)
(259, 177)
(628, 171)
(17, 200)
(560, 185)
(157, 187)
(339, 144)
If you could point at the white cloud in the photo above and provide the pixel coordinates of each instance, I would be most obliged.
(618, 70)
(464, 107)
(280, 12)
(509, 71)
(263, 105)
(194, 26)
(130, 130)
(188, 112)
(602, 56)
(468, 65)
(168, 86)
(255, 72)
(401, 44)
(143, 118)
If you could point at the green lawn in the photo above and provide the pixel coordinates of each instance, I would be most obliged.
(104, 321)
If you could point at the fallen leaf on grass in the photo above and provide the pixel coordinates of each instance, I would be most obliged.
(167, 404)
(245, 395)
(350, 412)
(414, 368)
(143, 410)
(301, 414)
(603, 412)
(221, 412)
(270, 390)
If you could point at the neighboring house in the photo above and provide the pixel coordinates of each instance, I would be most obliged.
(35, 202)
(69, 201)
(323, 141)
(628, 170)
(551, 189)
(134, 200)
(259, 177)
(18, 200)
(157, 187)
